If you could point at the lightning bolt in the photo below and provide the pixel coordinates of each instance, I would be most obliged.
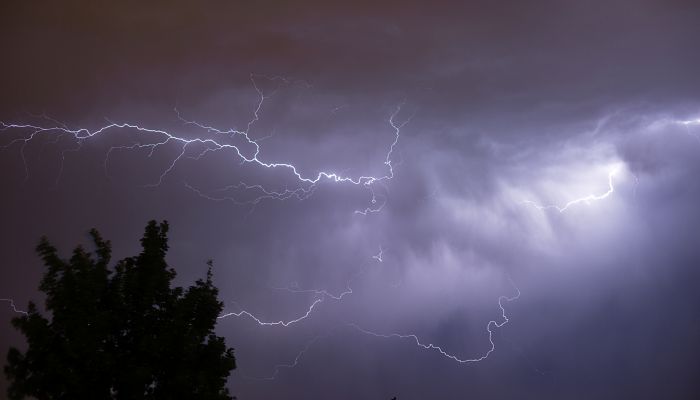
(213, 140)
(277, 368)
(588, 199)
(202, 141)
(379, 255)
(688, 124)
(320, 294)
(14, 307)
(432, 347)
(585, 200)
(300, 193)
(274, 323)
(427, 346)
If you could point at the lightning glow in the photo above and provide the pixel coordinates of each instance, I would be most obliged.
(588, 199)
(688, 124)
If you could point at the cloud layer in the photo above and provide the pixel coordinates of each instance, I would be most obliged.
(510, 107)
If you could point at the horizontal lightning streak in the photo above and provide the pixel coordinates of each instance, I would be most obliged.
(264, 323)
(156, 138)
(319, 292)
(439, 349)
(586, 199)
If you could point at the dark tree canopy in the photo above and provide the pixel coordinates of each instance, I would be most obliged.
(121, 333)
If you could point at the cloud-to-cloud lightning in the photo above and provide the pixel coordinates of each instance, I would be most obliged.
(427, 346)
(430, 346)
(321, 294)
(588, 199)
(213, 140)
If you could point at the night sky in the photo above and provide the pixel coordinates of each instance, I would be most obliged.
(483, 149)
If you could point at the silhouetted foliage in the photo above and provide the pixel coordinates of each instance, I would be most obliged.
(120, 333)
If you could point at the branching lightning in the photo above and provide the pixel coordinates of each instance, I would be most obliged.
(429, 346)
(215, 140)
(202, 141)
(320, 295)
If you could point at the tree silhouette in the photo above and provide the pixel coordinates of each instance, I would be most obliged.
(121, 333)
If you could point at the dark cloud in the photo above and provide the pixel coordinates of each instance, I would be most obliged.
(507, 102)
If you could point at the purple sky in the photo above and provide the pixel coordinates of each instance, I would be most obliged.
(513, 111)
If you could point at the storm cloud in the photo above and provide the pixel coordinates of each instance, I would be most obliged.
(508, 107)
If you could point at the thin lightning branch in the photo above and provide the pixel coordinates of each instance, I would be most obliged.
(79, 145)
(320, 293)
(611, 187)
(373, 208)
(294, 362)
(47, 117)
(429, 346)
(587, 199)
(14, 308)
(275, 323)
(300, 193)
(387, 161)
(379, 255)
(289, 365)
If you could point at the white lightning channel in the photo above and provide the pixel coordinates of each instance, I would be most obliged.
(213, 140)
(429, 346)
(288, 365)
(582, 200)
(14, 307)
(273, 323)
(379, 255)
(321, 294)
